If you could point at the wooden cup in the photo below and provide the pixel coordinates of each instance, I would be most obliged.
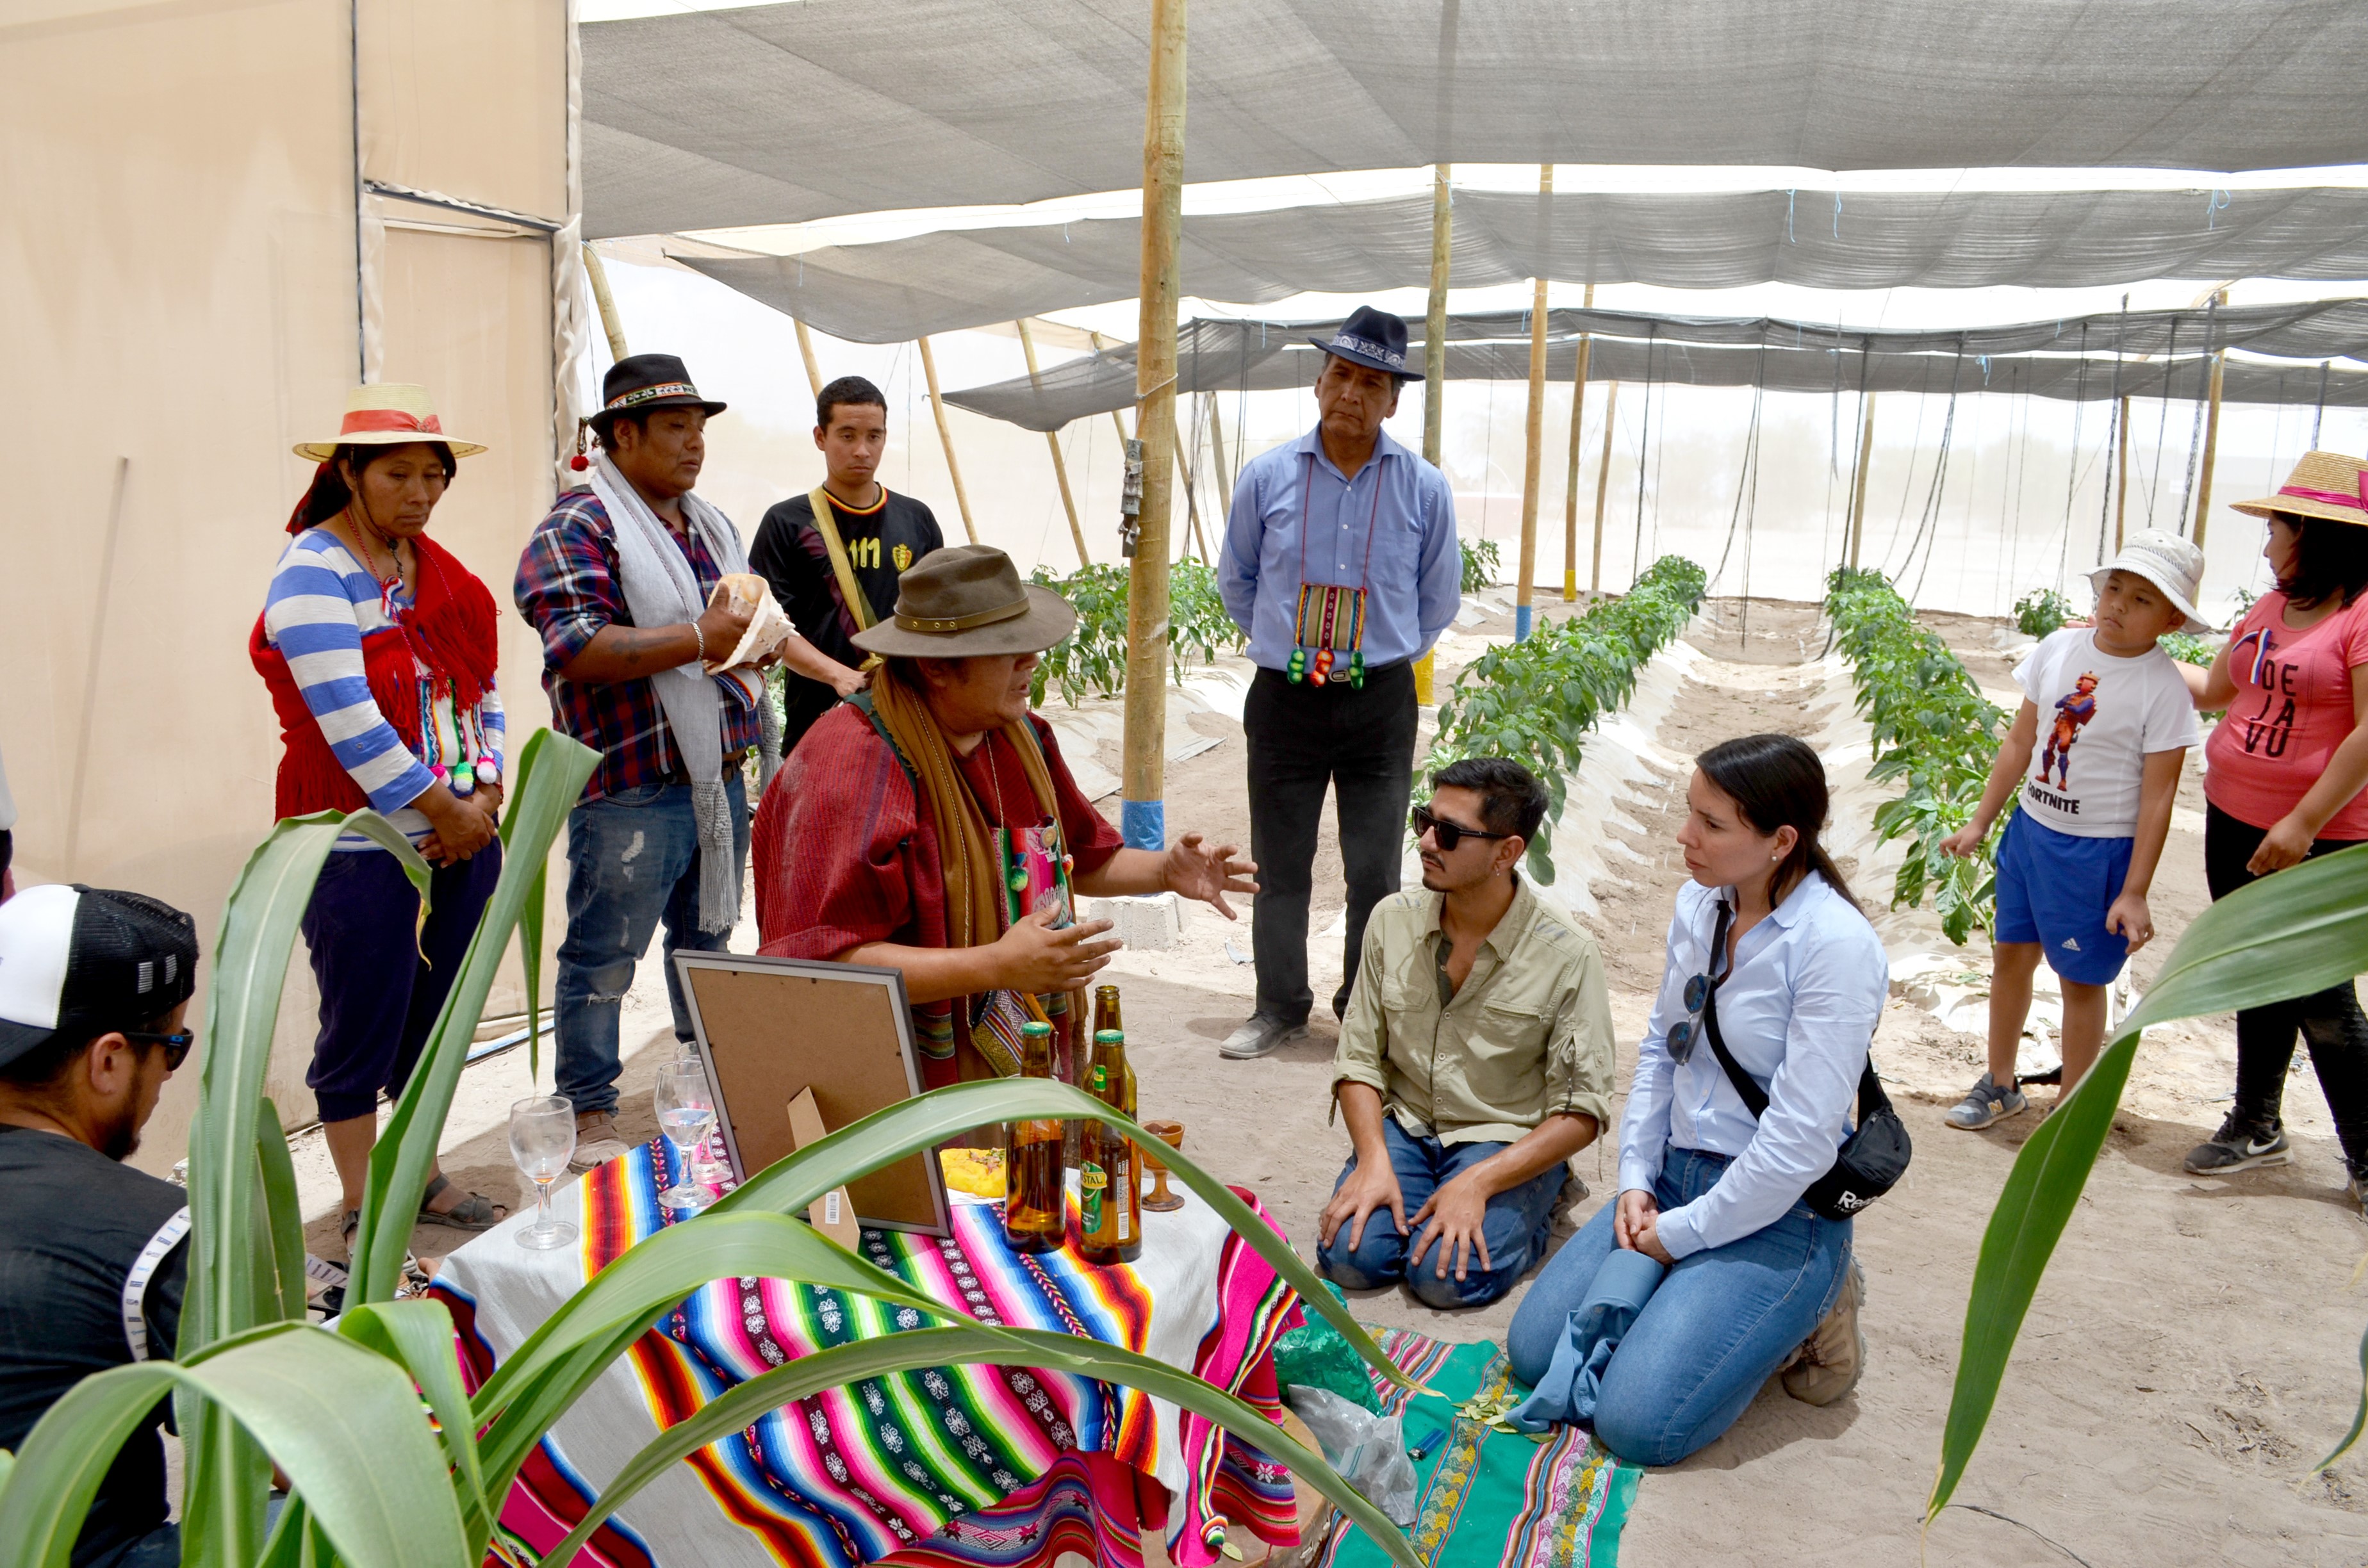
(1172, 1134)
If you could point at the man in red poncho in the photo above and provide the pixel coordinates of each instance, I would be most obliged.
(890, 836)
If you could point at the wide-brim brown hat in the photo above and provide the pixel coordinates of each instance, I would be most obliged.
(964, 600)
(2323, 485)
(391, 414)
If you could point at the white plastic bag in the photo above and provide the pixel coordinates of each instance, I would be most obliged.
(1369, 1451)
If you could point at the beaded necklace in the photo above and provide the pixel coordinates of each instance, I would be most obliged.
(1331, 616)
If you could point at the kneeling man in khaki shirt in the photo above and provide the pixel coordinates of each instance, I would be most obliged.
(1476, 1058)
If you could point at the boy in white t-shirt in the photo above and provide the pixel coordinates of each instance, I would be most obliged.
(2111, 719)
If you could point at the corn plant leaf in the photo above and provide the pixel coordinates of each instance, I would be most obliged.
(283, 1215)
(530, 915)
(519, 1404)
(547, 779)
(417, 1336)
(791, 1183)
(230, 1249)
(919, 1348)
(2299, 931)
(342, 1423)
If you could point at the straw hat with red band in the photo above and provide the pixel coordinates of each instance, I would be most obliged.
(391, 414)
(2323, 485)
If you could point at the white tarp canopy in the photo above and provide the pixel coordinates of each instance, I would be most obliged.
(897, 290)
(773, 114)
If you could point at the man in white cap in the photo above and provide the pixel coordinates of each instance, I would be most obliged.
(2075, 864)
(93, 987)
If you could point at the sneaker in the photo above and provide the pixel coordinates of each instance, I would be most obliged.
(2239, 1145)
(1987, 1104)
(596, 1141)
(1259, 1036)
(1830, 1361)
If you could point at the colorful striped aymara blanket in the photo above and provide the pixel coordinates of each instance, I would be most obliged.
(1489, 1498)
(957, 1466)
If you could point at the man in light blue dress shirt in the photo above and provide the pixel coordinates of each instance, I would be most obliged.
(1341, 567)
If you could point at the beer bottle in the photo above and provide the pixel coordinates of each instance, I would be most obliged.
(1108, 1193)
(1106, 1017)
(1035, 1207)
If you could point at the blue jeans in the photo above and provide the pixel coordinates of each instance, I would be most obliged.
(1722, 1321)
(631, 858)
(1515, 1227)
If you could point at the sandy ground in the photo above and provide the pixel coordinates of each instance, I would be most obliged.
(2191, 1350)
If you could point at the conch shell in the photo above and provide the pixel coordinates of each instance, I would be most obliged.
(768, 628)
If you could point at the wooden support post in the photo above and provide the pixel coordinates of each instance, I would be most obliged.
(1434, 361)
(1603, 483)
(1060, 466)
(1570, 487)
(1191, 504)
(2211, 443)
(1858, 490)
(1143, 808)
(946, 438)
(2121, 494)
(806, 353)
(1217, 452)
(600, 296)
(1533, 455)
(1118, 420)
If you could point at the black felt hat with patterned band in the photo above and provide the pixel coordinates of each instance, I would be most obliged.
(640, 383)
(84, 961)
(1373, 338)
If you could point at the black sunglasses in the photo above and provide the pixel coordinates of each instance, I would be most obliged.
(1687, 1032)
(1451, 833)
(176, 1045)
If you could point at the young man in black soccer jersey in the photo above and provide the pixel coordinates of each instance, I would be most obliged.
(831, 594)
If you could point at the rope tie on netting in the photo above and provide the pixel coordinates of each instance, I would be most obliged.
(1745, 474)
(1907, 485)
(2320, 413)
(2072, 459)
(2162, 420)
(2113, 431)
(1928, 528)
(1644, 434)
(2203, 393)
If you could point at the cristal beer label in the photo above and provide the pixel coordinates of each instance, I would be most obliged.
(1092, 1182)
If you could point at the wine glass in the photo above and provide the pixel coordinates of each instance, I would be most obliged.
(707, 1164)
(685, 1110)
(543, 1139)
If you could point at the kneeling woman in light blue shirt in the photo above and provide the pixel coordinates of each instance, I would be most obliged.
(1704, 1187)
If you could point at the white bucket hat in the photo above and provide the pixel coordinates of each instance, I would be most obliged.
(2170, 563)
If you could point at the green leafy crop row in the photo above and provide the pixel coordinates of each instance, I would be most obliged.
(1092, 660)
(1534, 701)
(1481, 564)
(1933, 729)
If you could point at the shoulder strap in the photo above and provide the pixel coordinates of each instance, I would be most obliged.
(143, 1269)
(858, 604)
(862, 701)
(1871, 1095)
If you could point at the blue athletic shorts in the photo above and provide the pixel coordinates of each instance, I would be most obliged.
(2056, 889)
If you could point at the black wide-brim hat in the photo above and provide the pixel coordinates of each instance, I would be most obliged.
(640, 383)
(1374, 338)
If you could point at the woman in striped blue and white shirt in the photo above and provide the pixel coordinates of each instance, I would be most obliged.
(379, 649)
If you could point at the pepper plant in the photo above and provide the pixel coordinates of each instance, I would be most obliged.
(1481, 564)
(2040, 611)
(1091, 662)
(1933, 729)
(1536, 700)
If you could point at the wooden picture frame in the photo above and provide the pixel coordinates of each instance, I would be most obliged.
(767, 1029)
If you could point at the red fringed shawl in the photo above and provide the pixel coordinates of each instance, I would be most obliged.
(446, 637)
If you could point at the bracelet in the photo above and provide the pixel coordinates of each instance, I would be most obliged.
(695, 631)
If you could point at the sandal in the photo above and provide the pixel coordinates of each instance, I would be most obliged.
(474, 1212)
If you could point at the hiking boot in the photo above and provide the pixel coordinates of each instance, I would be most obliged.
(596, 1141)
(1259, 1036)
(2358, 1188)
(1831, 1360)
(1985, 1104)
(2239, 1145)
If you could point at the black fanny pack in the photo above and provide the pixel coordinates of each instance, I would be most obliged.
(1869, 1162)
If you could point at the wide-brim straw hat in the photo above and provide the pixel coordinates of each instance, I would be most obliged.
(2172, 564)
(2323, 485)
(391, 414)
(964, 600)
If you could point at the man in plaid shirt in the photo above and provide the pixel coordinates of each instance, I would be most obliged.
(633, 843)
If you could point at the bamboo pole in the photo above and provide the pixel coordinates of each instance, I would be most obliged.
(1434, 359)
(1191, 504)
(1217, 451)
(2211, 442)
(1858, 491)
(946, 438)
(2121, 495)
(1602, 486)
(1118, 420)
(600, 296)
(1570, 487)
(1060, 465)
(1143, 810)
(1533, 455)
(806, 353)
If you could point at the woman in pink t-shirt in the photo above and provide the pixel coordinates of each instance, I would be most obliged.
(2282, 781)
